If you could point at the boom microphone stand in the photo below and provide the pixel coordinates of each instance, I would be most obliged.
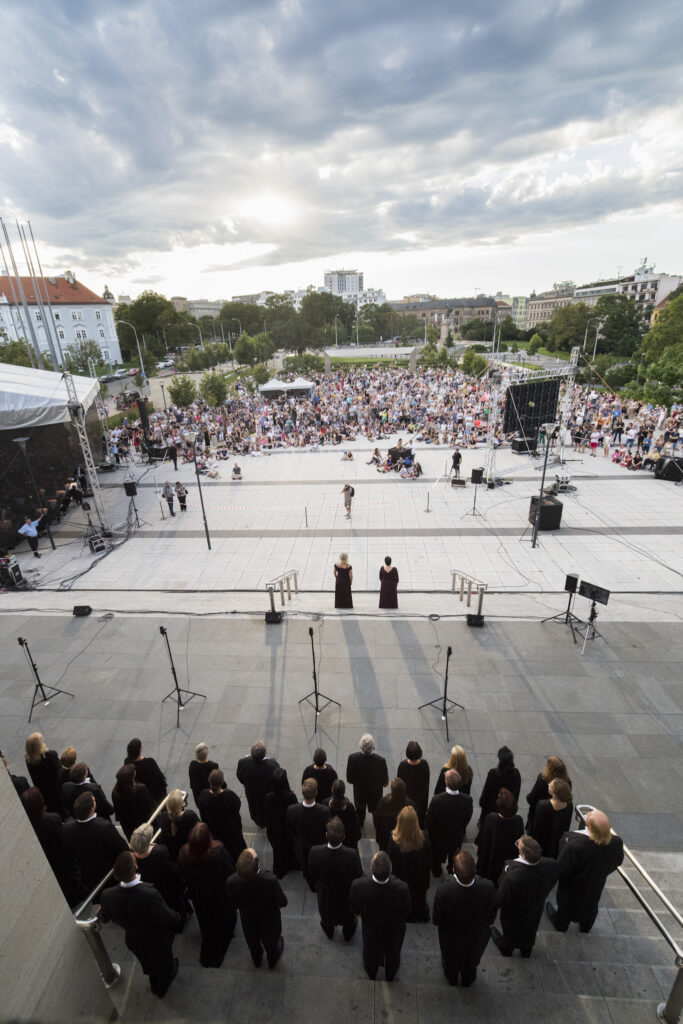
(444, 703)
(181, 695)
(39, 688)
(315, 692)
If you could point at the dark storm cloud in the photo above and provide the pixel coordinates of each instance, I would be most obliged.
(142, 126)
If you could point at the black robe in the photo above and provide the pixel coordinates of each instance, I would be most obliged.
(384, 817)
(522, 892)
(215, 914)
(307, 827)
(221, 812)
(256, 778)
(199, 772)
(134, 808)
(324, 777)
(159, 870)
(45, 775)
(539, 791)
(583, 867)
(149, 925)
(368, 775)
(495, 781)
(148, 772)
(259, 901)
(94, 845)
(388, 587)
(48, 829)
(184, 823)
(412, 867)
(416, 778)
(384, 910)
(347, 814)
(497, 844)
(447, 818)
(549, 825)
(72, 790)
(463, 914)
(275, 812)
(440, 786)
(333, 871)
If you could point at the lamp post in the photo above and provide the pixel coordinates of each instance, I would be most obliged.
(22, 442)
(585, 335)
(201, 340)
(551, 432)
(336, 342)
(597, 332)
(213, 320)
(191, 435)
(238, 321)
(163, 392)
(142, 365)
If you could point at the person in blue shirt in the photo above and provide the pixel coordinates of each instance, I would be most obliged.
(30, 531)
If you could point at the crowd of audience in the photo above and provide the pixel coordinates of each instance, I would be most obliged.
(171, 861)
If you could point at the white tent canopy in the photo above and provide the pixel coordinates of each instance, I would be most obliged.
(38, 398)
(275, 385)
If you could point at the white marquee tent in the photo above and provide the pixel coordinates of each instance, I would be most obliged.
(276, 386)
(38, 398)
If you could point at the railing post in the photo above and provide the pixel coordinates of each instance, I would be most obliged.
(272, 598)
(110, 972)
(296, 582)
(671, 1010)
(289, 589)
(482, 590)
(469, 592)
(282, 593)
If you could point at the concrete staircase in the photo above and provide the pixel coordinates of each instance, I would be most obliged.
(617, 973)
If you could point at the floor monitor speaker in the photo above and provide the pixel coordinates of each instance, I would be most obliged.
(571, 583)
(81, 610)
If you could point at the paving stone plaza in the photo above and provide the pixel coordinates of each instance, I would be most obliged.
(612, 711)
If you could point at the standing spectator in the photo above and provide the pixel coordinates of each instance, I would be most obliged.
(275, 807)
(464, 909)
(499, 832)
(323, 773)
(553, 817)
(306, 823)
(388, 585)
(258, 896)
(220, 809)
(554, 769)
(255, 772)
(411, 857)
(132, 801)
(387, 810)
(458, 761)
(67, 760)
(348, 491)
(503, 776)
(367, 772)
(147, 771)
(343, 574)
(456, 462)
(415, 773)
(30, 531)
(43, 767)
(176, 822)
(48, 829)
(172, 453)
(333, 867)
(522, 890)
(383, 904)
(586, 859)
(168, 493)
(206, 865)
(92, 842)
(181, 495)
(447, 818)
(149, 924)
(199, 771)
(156, 867)
(343, 809)
(79, 781)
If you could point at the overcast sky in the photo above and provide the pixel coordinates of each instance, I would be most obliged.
(226, 146)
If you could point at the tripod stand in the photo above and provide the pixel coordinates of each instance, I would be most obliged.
(39, 688)
(587, 629)
(181, 696)
(444, 703)
(315, 696)
(474, 510)
(567, 617)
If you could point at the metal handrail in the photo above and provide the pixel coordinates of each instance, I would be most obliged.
(670, 1011)
(284, 579)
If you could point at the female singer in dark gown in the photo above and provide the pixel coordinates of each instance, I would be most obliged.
(176, 823)
(457, 760)
(415, 773)
(48, 828)
(43, 767)
(387, 811)
(155, 866)
(132, 801)
(388, 585)
(220, 809)
(276, 803)
(206, 865)
(341, 807)
(411, 858)
(555, 768)
(344, 578)
(553, 818)
(499, 832)
(503, 776)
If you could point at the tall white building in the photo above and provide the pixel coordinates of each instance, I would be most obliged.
(78, 314)
(343, 282)
(644, 286)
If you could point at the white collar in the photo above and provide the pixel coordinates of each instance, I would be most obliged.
(86, 820)
(129, 885)
(337, 847)
(521, 860)
(465, 885)
(86, 779)
(452, 792)
(385, 882)
(305, 804)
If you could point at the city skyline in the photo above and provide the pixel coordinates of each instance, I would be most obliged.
(437, 151)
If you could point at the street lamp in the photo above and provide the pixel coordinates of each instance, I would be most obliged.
(201, 340)
(585, 336)
(22, 442)
(142, 365)
(237, 320)
(597, 332)
(191, 436)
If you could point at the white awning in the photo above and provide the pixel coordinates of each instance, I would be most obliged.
(273, 385)
(38, 398)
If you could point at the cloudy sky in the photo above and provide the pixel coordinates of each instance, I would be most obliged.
(226, 146)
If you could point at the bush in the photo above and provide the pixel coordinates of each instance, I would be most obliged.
(213, 388)
(182, 390)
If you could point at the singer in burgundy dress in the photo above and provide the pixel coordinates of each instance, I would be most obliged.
(343, 573)
(388, 589)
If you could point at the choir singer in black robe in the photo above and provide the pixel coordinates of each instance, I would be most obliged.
(522, 890)
(586, 858)
(258, 896)
(464, 908)
(383, 904)
(333, 867)
(447, 818)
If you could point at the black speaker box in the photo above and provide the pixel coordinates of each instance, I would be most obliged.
(523, 445)
(130, 488)
(475, 620)
(457, 482)
(477, 475)
(571, 583)
(81, 610)
(273, 618)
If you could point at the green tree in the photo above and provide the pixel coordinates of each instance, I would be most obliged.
(244, 352)
(261, 374)
(535, 343)
(666, 332)
(472, 363)
(213, 389)
(622, 329)
(264, 347)
(77, 355)
(568, 326)
(508, 330)
(17, 353)
(305, 364)
(182, 391)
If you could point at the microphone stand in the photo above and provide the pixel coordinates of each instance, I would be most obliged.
(181, 695)
(444, 703)
(39, 688)
(313, 698)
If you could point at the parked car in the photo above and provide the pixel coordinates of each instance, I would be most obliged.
(107, 378)
(121, 372)
(132, 372)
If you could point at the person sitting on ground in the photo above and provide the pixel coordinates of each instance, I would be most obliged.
(236, 472)
(375, 458)
(347, 456)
